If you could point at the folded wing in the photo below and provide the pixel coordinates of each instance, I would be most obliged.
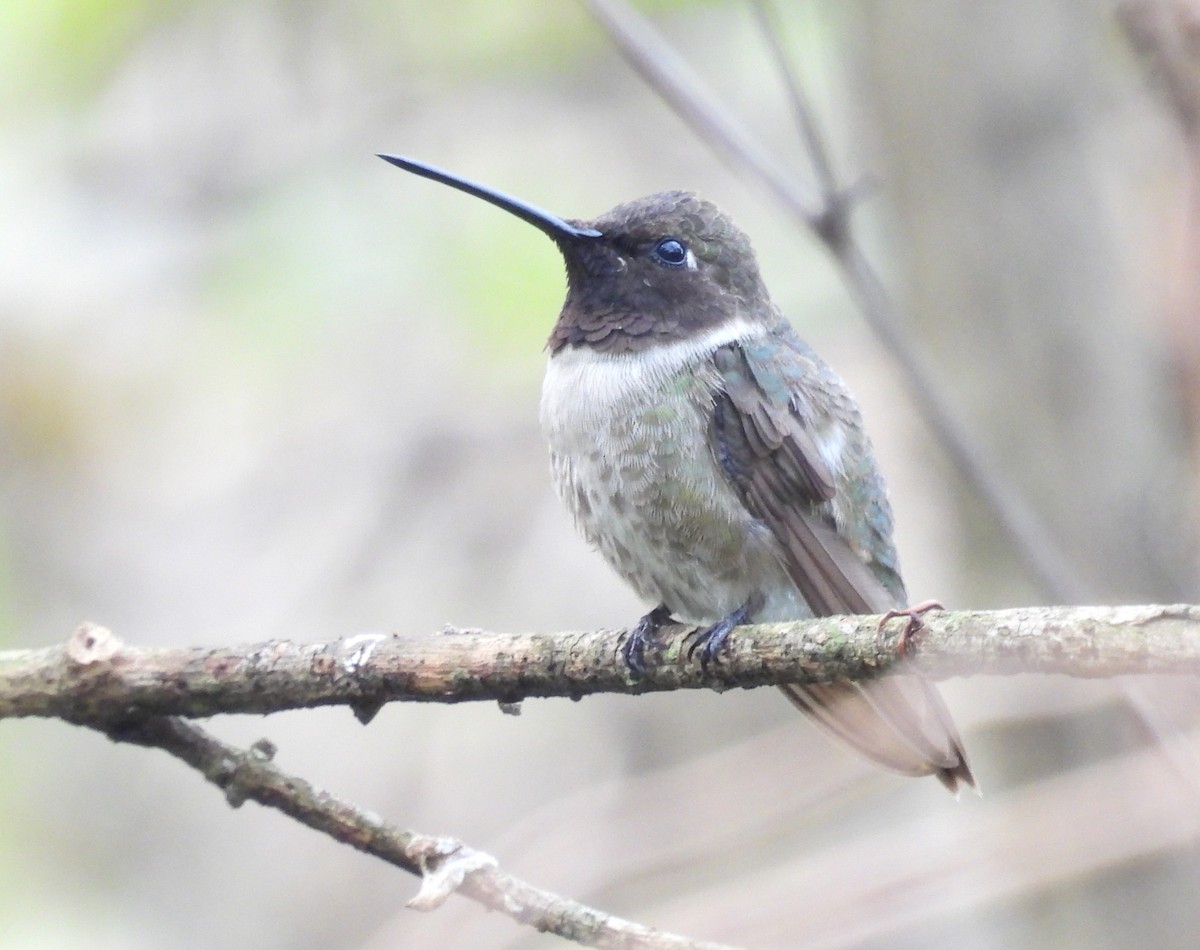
(769, 445)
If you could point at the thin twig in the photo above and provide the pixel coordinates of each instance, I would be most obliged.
(802, 111)
(670, 77)
(445, 865)
(98, 678)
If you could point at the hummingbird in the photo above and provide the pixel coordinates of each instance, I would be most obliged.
(718, 464)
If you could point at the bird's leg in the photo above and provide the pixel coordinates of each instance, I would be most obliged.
(710, 640)
(645, 633)
(914, 625)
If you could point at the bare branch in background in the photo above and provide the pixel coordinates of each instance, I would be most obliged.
(98, 680)
(445, 865)
(1099, 817)
(1166, 35)
(670, 77)
(834, 219)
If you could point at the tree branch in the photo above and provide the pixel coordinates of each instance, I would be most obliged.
(444, 865)
(132, 695)
(98, 680)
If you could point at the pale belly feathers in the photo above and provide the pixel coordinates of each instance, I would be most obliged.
(630, 458)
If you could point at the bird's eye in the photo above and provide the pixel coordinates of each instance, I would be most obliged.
(671, 251)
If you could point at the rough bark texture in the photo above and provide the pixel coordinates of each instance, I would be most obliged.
(97, 679)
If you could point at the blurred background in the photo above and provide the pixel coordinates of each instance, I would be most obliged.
(256, 383)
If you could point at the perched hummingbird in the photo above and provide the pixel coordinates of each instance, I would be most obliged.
(719, 465)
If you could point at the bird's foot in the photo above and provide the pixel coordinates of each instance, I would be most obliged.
(914, 625)
(643, 635)
(711, 640)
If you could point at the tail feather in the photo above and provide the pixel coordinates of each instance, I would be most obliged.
(898, 721)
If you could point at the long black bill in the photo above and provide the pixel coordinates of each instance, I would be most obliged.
(554, 226)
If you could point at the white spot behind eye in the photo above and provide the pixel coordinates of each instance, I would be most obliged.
(690, 260)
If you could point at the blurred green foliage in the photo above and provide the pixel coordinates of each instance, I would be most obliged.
(56, 49)
(510, 279)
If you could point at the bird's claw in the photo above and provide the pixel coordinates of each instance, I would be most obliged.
(914, 625)
(645, 633)
(710, 641)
